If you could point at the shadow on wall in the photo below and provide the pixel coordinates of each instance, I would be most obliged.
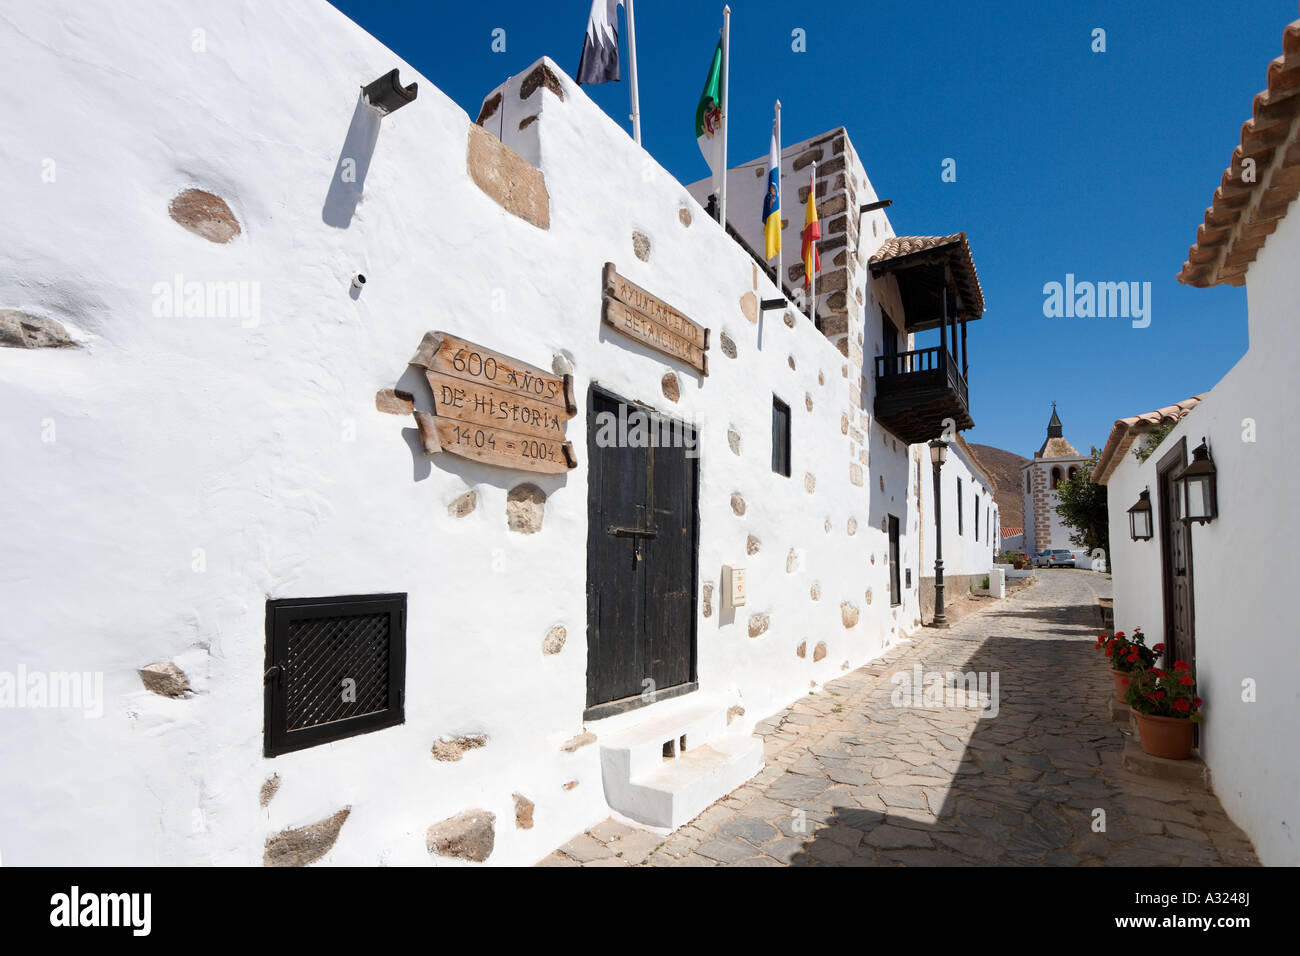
(349, 178)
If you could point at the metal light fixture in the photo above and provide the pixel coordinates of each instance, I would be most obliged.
(938, 455)
(1197, 487)
(938, 451)
(1139, 518)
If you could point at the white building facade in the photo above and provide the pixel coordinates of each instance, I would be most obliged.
(228, 422)
(1215, 592)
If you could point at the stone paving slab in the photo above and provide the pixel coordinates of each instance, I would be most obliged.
(1031, 775)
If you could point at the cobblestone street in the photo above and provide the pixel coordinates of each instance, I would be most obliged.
(853, 780)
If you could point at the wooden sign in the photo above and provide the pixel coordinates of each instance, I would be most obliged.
(494, 408)
(648, 319)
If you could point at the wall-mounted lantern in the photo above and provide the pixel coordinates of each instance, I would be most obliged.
(1139, 518)
(1196, 487)
(387, 95)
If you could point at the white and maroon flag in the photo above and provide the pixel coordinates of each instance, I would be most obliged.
(599, 63)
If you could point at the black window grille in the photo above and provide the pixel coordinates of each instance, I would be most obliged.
(780, 437)
(335, 667)
(977, 517)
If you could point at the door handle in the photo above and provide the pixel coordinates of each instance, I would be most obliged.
(633, 532)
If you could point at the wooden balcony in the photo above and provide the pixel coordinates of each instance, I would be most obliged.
(917, 391)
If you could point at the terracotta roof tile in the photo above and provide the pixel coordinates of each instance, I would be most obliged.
(1244, 214)
(963, 265)
(1126, 430)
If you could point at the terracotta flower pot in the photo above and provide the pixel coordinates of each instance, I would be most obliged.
(1168, 737)
(1120, 687)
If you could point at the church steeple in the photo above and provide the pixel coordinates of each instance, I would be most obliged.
(1054, 426)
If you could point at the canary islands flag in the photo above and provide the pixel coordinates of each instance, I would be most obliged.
(812, 231)
(772, 203)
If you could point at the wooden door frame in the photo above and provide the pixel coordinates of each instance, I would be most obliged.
(1173, 460)
(623, 705)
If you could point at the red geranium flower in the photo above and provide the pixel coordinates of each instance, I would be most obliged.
(1181, 705)
(1109, 652)
(1160, 695)
(1181, 666)
(1197, 701)
(1186, 681)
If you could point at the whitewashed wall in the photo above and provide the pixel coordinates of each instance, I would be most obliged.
(1243, 577)
(962, 553)
(258, 445)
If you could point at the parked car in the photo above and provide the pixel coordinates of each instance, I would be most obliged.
(1054, 558)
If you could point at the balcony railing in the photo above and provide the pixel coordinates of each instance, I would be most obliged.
(917, 390)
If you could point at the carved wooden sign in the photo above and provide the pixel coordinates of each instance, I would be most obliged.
(636, 313)
(494, 408)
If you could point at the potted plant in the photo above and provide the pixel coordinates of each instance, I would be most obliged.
(1166, 707)
(1126, 656)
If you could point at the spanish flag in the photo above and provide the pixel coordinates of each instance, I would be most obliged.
(812, 231)
(772, 202)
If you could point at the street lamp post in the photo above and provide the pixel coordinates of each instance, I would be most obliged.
(938, 454)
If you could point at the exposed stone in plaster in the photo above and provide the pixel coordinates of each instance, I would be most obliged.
(791, 562)
(641, 246)
(752, 545)
(734, 711)
(733, 440)
(672, 388)
(737, 503)
(553, 643)
(463, 504)
(809, 483)
(815, 592)
(467, 836)
(301, 846)
(728, 345)
(525, 508)
(523, 812)
(749, 306)
(18, 330)
(708, 600)
(451, 749)
(758, 623)
(166, 679)
(849, 613)
(578, 742)
(801, 650)
(269, 788)
(853, 526)
(204, 214)
(684, 216)
(819, 651)
(507, 178)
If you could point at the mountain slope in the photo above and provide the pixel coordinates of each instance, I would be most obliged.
(1004, 468)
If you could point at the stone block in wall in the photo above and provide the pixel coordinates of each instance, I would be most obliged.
(18, 330)
(300, 846)
(508, 178)
(467, 836)
(833, 206)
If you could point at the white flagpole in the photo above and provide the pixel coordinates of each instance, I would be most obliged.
(631, 49)
(780, 279)
(812, 273)
(726, 109)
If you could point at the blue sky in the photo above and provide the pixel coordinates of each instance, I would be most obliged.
(1068, 161)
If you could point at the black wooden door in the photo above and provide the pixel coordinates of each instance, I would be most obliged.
(641, 561)
(1176, 554)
